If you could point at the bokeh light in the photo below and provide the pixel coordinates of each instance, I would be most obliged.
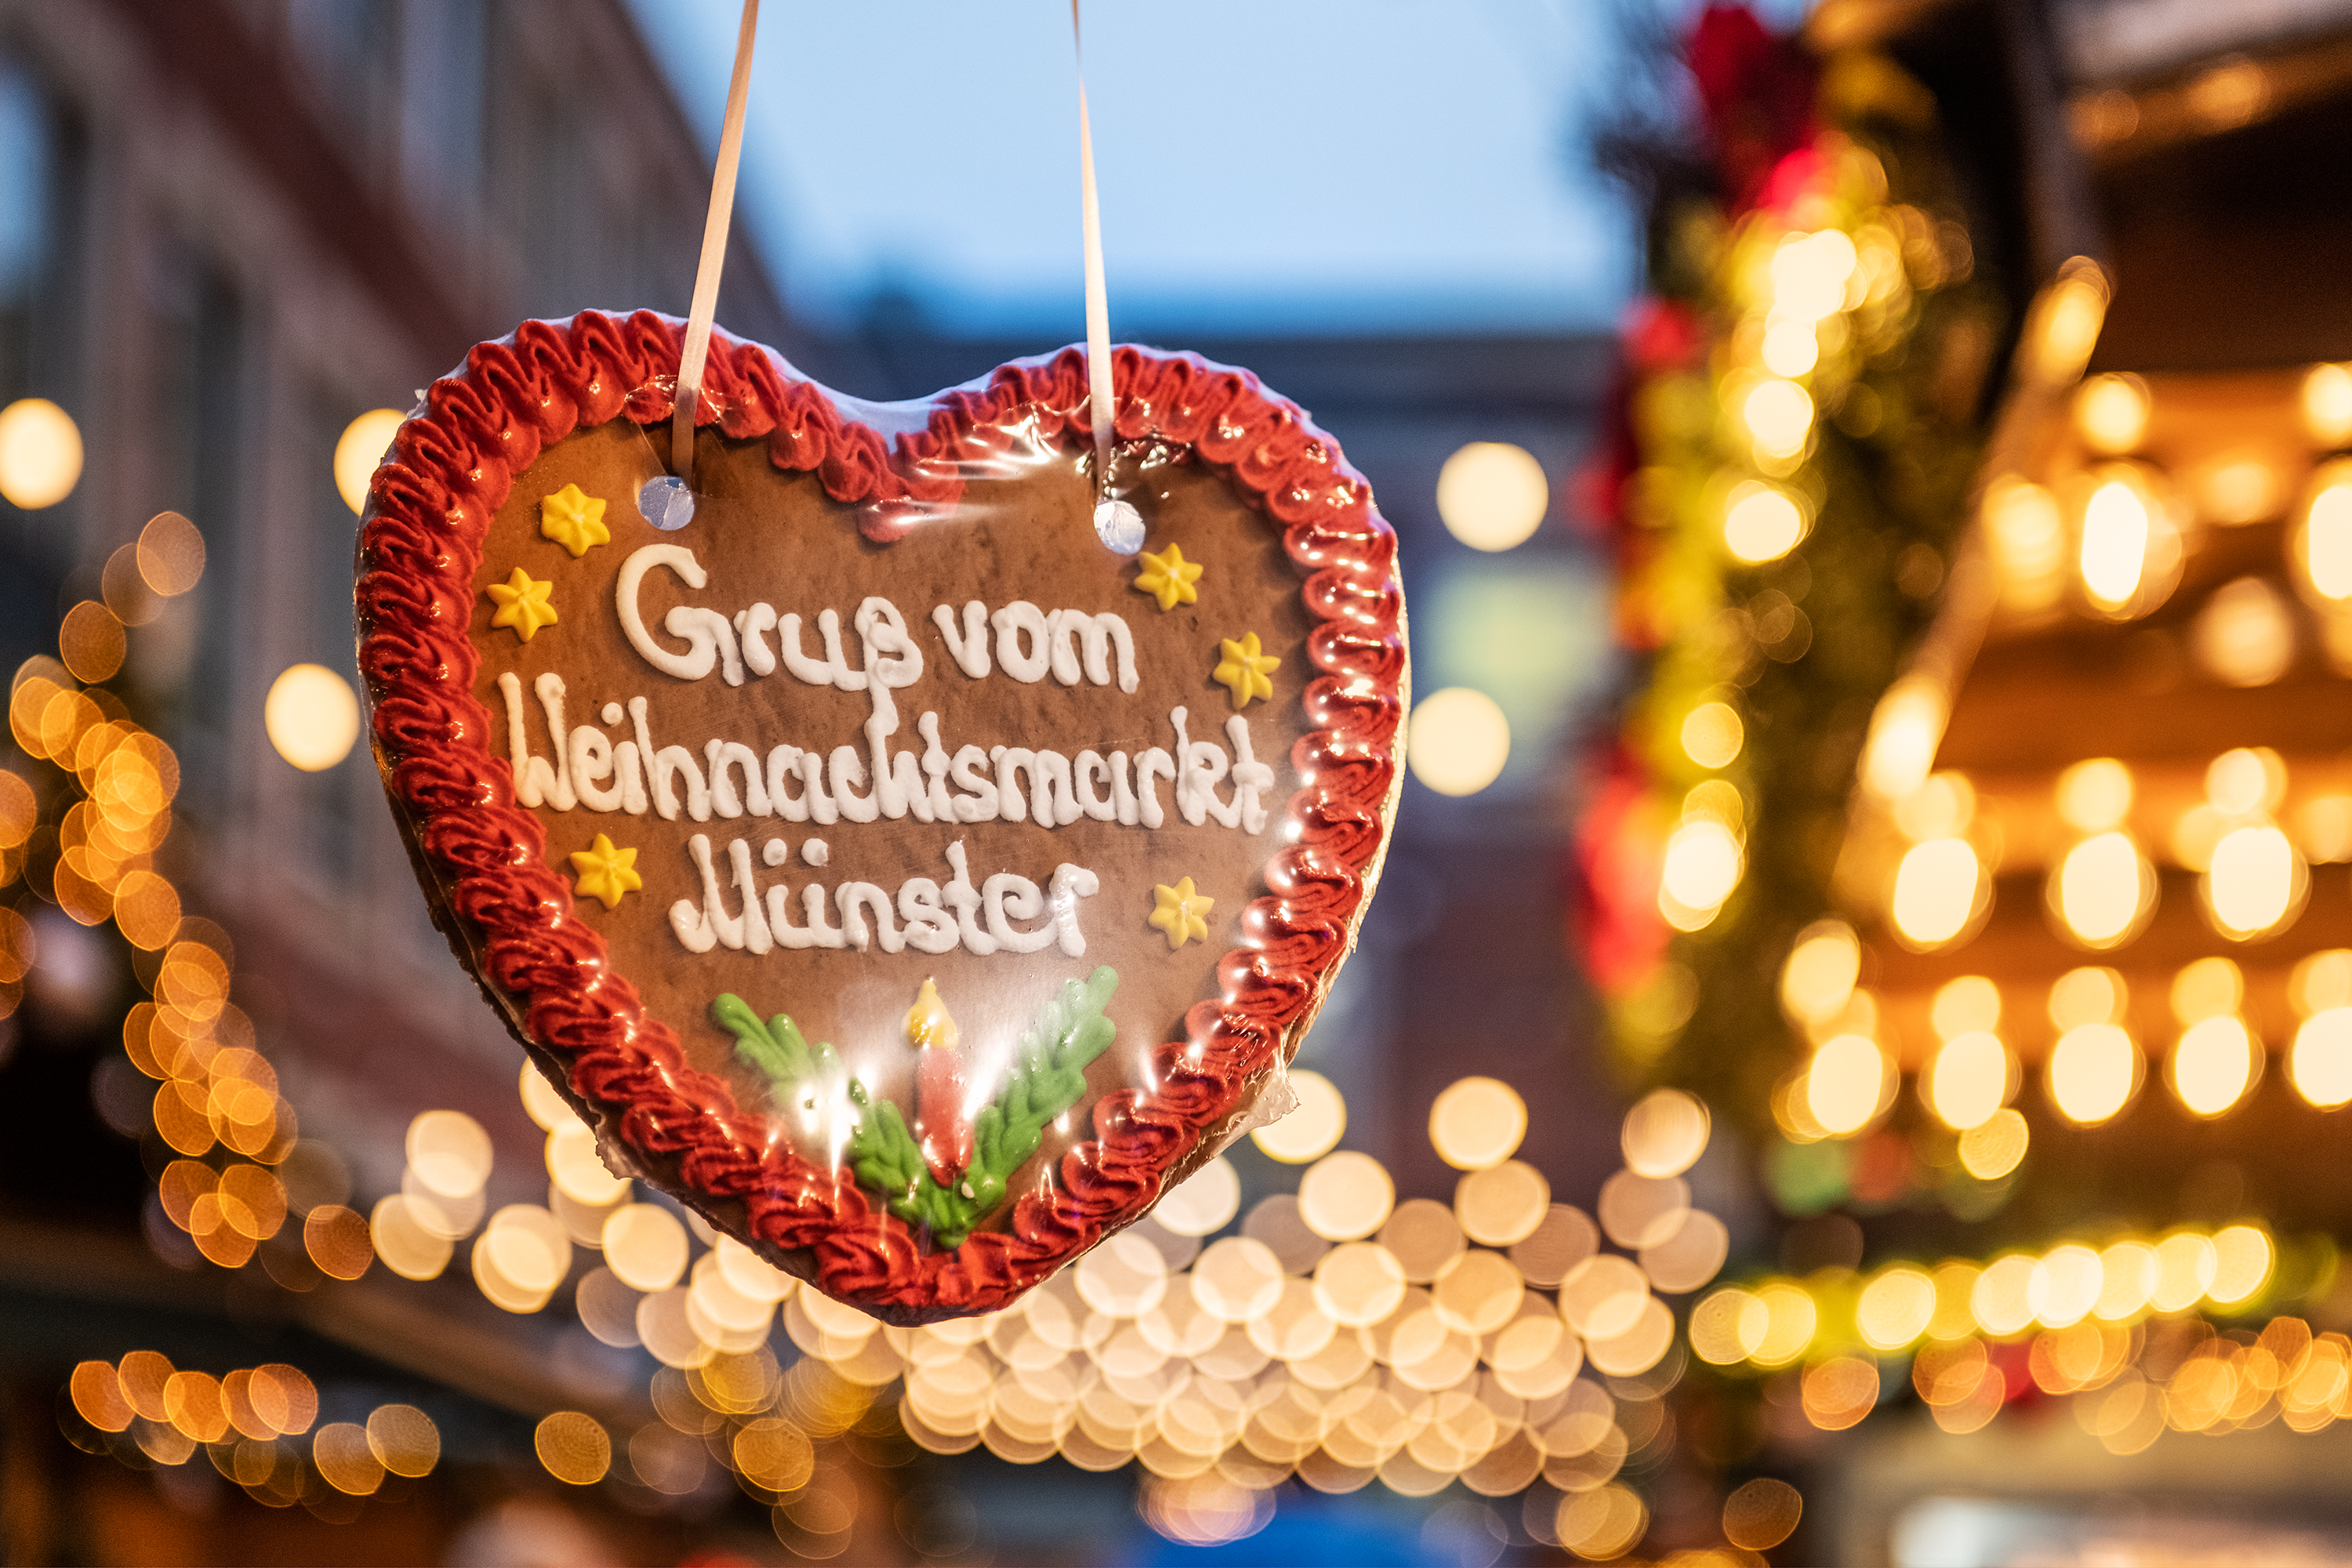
(1492, 495)
(311, 716)
(40, 453)
(1938, 892)
(1761, 524)
(1845, 1083)
(1712, 734)
(2214, 1064)
(2111, 414)
(575, 1448)
(1459, 740)
(1313, 1127)
(2116, 527)
(1476, 1122)
(2325, 404)
(360, 450)
(1665, 1133)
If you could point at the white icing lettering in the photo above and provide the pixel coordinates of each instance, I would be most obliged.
(667, 763)
(935, 768)
(1153, 763)
(855, 900)
(535, 782)
(898, 785)
(788, 934)
(837, 670)
(968, 650)
(813, 671)
(592, 762)
(1012, 623)
(1010, 896)
(751, 625)
(709, 638)
(1089, 767)
(842, 771)
(969, 771)
(724, 755)
(1071, 883)
(1253, 779)
(633, 773)
(964, 899)
(1073, 630)
(1122, 792)
(783, 769)
(929, 927)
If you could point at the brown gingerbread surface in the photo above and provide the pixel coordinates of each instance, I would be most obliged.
(764, 535)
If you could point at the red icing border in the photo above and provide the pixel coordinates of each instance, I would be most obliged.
(430, 507)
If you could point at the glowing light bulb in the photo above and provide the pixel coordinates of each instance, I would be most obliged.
(2066, 321)
(1936, 892)
(2213, 1065)
(1905, 729)
(2328, 404)
(2028, 535)
(1492, 495)
(1820, 975)
(2094, 1070)
(312, 717)
(2254, 883)
(2323, 544)
(2095, 795)
(1791, 347)
(1845, 1083)
(2242, 488)
(1703, 866)
(40, 453)
(1967, 1006)
(2245, 635)
(2244, 781)
(1459, 740)
(2321, 1062)
(2113, 556)
(1712, 734)
(1761, 524)
(2104, 890)
(1809, 273)
(2111, 413)
(1779, 416)
(360, 450)
(1968, 1079)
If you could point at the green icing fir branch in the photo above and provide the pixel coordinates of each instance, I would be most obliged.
(1047, 1076)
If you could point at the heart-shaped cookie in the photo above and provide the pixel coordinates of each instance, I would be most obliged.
(897, 872)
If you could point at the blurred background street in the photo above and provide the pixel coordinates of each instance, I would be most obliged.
(1857, 1021)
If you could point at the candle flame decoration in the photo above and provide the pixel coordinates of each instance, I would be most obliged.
(942, 1127)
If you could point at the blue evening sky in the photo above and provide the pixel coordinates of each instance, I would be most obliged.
(1273, 165)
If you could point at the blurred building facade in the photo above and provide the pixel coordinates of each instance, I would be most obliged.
(227, 227)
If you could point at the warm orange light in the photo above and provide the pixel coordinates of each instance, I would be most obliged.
(1845, 1083)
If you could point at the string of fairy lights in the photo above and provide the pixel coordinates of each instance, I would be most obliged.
(2103, 827)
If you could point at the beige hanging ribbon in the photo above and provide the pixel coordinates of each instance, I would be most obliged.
(697, 349)
(1098, 386)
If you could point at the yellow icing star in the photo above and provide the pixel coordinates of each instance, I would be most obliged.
(1179, 912)
(1246, 668)
(522, 603)
(574, 518)
(1168, 577)
(605, 873)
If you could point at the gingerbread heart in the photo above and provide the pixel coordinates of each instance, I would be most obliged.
(913, 878)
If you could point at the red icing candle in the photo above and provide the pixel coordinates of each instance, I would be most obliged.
(941, 1128)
